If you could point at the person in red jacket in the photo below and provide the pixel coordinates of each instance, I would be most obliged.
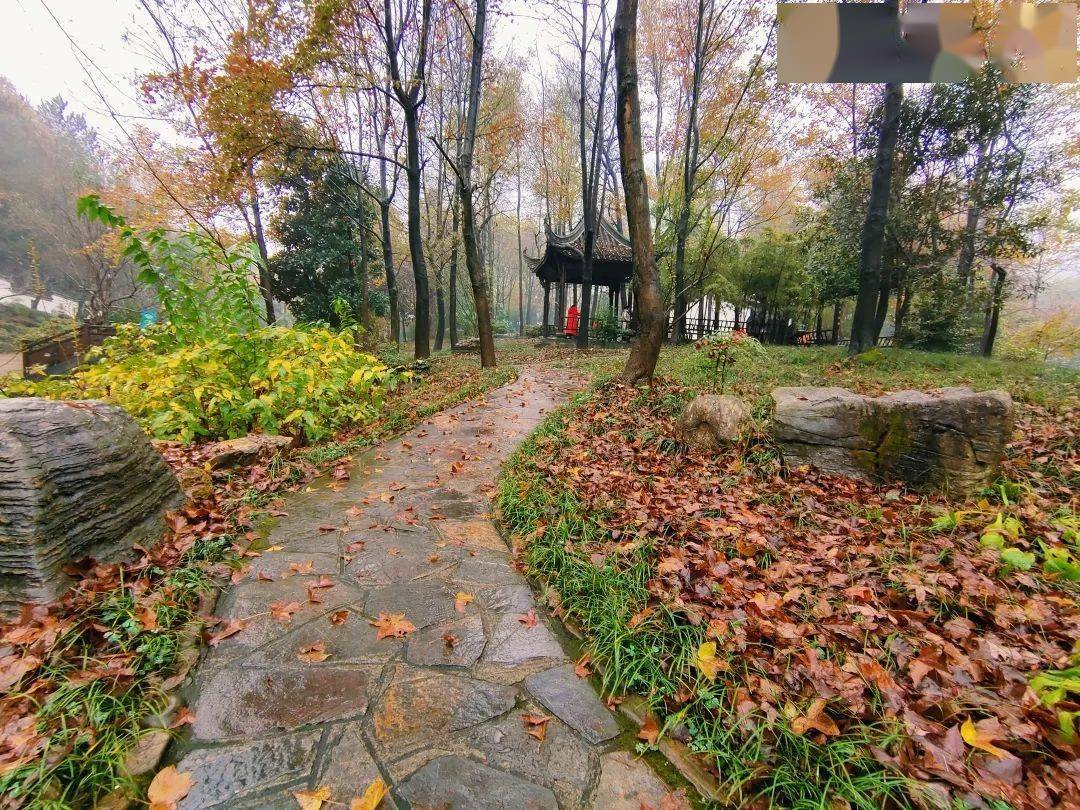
(572, 318)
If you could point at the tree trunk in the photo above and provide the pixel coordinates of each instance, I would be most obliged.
(388, 267)
(451, 292)
(993, 311)
(520, 256)
(264, 259)
(649, 306)
(882, 310)
(903, 303)
(837, 311)
(864, 333)
(440, 312)
(422, 312)
(465, 189)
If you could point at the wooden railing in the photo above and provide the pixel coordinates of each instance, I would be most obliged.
(64, 350)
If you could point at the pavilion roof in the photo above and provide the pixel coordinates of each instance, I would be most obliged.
(612, 253)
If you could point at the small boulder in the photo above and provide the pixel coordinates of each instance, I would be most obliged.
(949, 438)
(712, 420)
(245, 450)
(77, 479)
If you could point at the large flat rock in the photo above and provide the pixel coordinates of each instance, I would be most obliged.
(949, 438)
(77, 479)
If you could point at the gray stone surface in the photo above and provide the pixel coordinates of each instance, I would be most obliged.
(443, 725)
(252, 702)
(628, 783)
(949, 438)
(430, 647)
(458, 783)
(712, 420)
(77, 479)
(420, 706)
(221, 776)
(573, 700)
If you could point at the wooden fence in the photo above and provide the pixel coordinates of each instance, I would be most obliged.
(63, 351)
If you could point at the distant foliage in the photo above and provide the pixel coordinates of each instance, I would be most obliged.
(212, 370)
(1055, 338)
(304, 382)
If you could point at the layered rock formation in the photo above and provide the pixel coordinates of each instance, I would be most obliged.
(949, 438)
(77, 479)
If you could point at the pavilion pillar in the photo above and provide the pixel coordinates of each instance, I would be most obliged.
(560, 302)
(545, 330)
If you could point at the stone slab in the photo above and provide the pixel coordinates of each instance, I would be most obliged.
(628, 783)
(458, 783)
(429, 647)
(249, 702)
(573, 701)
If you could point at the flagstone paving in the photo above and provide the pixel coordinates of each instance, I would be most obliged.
(442, 723)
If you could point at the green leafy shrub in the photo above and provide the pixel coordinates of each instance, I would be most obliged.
(728, 350)
(305, 382)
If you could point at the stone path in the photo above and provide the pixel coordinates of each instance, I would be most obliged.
(442, 723)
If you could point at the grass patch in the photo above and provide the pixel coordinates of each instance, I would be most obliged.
(71, 724)
(596, 501)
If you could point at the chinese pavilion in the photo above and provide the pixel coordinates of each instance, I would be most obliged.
(560, 267)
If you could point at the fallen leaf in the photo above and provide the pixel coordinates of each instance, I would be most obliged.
(374, 794)
(168, 788)
(706, 660)
(450, 639)
(461, 600)
(313, 653)
(981, 735)
(302, 568)
(183, 717)
(312, 799)
(581, 668)
(231, 628)
(283, 611)
(649, 731)
(536, 725)
(339, 617)
(529, 619)
(815, 719)
(392, 625)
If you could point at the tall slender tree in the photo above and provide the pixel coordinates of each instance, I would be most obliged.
(645, 350)
(409, 93)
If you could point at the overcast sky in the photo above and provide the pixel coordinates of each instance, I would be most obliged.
(39, 59)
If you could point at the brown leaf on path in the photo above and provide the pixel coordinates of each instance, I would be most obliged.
(392, 625)
(312, 799)
(581, 666)
(325, 581)
(265, 577)
(283, 611)
(529, 619)
(327, 527)
(183, 717)
(231, 628)
(355, 546)
(314, 653)
(450, 639)
(313, 596)
(354, 511)
(13, 667)
(168, 787)
(339, 617)
(536, 725)
(649, 731)
(239, 574)
(305, 567)
(374, 794)
(462, 600)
